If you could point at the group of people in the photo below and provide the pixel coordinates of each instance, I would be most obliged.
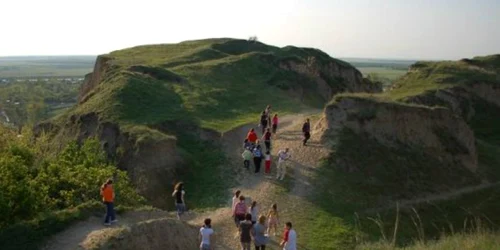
(252, 226)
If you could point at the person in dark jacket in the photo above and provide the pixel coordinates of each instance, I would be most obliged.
(306, 130)
(264, 121)
(257, 158)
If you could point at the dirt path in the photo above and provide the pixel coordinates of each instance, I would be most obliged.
(265, 189)
(435, 197)
(87, 234)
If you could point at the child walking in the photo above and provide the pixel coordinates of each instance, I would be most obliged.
(274, 219)
(268, 162)
(247, 156)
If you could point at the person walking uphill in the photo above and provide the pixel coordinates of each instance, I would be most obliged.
(267, 139)
(257, 158)
(275, 123)
(108, 197)
(206, 233)
(306, 130)
(178, 194)
(289, 241)
(252, 136)
(259, 234)
(283, 156)
(264, 121)
(247, 156)
(240, 209)
(245, 229)
(268, 114)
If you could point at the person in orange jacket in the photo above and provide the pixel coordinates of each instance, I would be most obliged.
(108, 197)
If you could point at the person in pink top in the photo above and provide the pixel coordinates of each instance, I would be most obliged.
(275, 123)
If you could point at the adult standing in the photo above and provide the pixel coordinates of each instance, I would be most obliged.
(264, 121)
(257, 158)
(178, 194)
(206, 235)
(275, 123)
(259, 234)
(108, 197)
(252, 136)
(236, 199)
(246, 232)
(306, 130)
(254, 211)
(289, 241)
(267, 139)
(283, 156)
(268, 113)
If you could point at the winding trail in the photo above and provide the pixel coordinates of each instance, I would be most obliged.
(265, 189)
(262, 188)
(289, 194)
(434, 197)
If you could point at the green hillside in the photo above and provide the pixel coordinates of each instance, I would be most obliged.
(469, 88)
(429, 76)
(216, 83)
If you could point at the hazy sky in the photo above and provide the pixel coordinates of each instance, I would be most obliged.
(416, 29)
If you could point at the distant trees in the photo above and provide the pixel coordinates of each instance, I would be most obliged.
(30, 102)
(253, 39)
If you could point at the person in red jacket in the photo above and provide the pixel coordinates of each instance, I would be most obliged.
(252, 136)
(275, 123)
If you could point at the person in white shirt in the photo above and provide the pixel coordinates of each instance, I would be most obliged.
(236, 199)
(206, 233)
(283, 156)
(289, 241)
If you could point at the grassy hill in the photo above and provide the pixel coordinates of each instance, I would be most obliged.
(216, 83)
(469, 89)
(430, 76)
(183, 96)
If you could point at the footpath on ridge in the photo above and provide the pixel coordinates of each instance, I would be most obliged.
(265, 189)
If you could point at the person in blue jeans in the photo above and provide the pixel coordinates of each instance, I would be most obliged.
(178, 194)
(108, 197)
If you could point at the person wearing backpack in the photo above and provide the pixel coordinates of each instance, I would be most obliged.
(240, 209)
(257, 158)
(108, 197)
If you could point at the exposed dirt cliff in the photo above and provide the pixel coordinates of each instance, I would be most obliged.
(436, 131)
(101, 70)
(152, 163)
(331, 77)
